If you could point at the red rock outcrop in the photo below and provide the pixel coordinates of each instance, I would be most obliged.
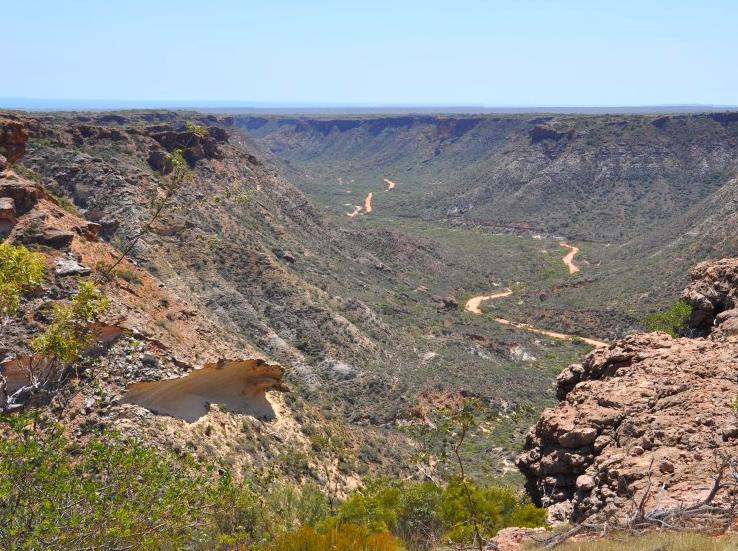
(647, 415)
(13, 138)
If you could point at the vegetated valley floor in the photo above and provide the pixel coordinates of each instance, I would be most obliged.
(497, 196)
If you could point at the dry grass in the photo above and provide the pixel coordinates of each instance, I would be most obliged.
(655, 541)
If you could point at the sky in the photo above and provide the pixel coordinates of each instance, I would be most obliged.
(373, 53)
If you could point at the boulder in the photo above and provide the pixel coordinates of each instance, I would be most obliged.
(7, 214)
(513, 539)
(69, 266)
(714, 289)
(48, 237)
(24, 193)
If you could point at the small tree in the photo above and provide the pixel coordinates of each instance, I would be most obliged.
(62, 342)
(20, 271)
(69, 333)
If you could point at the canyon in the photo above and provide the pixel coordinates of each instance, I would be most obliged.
(257, 300)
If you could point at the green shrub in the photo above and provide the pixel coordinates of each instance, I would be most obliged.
(57, 495)
(20, 271)
(129, 275)
(673, 320)
(423, 513)
(69, 334)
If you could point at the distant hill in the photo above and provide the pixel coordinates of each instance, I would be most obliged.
(605, 178)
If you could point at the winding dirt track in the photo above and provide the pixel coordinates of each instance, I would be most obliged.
(356, 211)
(368, 203)
(569, 258)
(473, 305)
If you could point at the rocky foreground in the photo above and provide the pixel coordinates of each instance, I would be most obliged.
(647, 422)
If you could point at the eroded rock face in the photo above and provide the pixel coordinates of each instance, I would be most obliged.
(195, 146)
(713, 295)
(24, 193)
(13, 138)
(7, 214)
(239, 385)
(646, 404)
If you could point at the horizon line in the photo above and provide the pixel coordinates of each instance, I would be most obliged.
(71, 104)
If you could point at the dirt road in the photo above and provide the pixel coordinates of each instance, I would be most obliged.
(569, 258)
(368, 203)
(473, 305)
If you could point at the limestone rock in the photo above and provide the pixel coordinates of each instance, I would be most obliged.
(68, 266)
(513, 539)
(239, 385)
(24, 193)
(713, 291)
(645, 403)
(48, 237)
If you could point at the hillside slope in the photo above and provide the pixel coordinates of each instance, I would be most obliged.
(604, 178)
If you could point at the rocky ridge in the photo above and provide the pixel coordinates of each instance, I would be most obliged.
(648, 412)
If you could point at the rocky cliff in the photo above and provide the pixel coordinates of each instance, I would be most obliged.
(647, 421)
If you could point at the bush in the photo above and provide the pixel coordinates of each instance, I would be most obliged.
(423, 513)
(113, 493)
(344, 537)
(673, 320)
(69, 334)
(20, 271)
(104, 495)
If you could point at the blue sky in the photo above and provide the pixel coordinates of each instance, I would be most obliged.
(464, 52)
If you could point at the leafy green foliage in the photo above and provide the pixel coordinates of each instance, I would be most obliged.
(69, 333)
(673, 320)
(20, 271)
(114, 493)
(103, 495)
(196, 129)
(421, 513)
